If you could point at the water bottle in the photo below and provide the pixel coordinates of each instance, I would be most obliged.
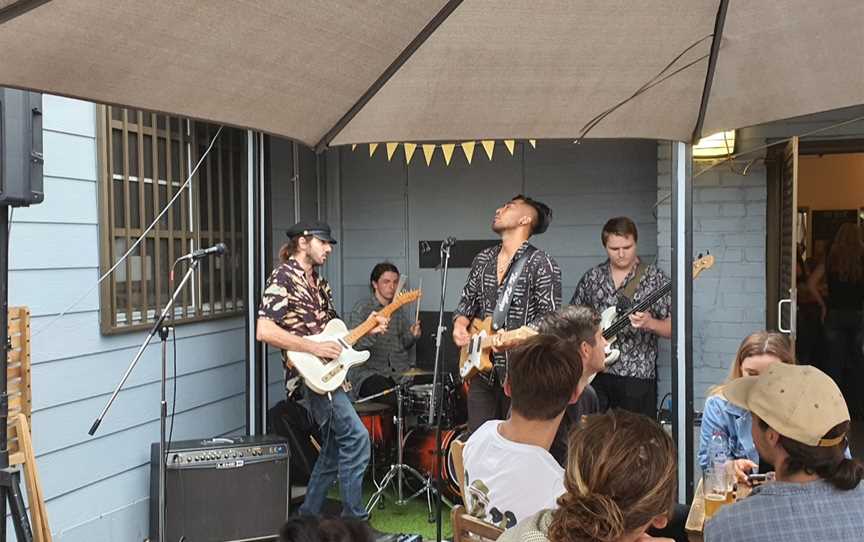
(718, 451)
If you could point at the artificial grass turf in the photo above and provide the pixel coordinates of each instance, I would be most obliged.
(409, 518)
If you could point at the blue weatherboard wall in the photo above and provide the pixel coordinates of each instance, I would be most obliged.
(97, 488)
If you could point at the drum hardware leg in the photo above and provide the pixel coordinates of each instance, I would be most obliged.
(400, 469)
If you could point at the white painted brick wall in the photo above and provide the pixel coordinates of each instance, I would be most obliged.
(729, 299)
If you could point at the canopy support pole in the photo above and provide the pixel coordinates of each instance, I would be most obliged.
(682, 315)
(16, 9)
(719, 22)
(391, 70)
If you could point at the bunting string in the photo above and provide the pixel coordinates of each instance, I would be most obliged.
(447, 149)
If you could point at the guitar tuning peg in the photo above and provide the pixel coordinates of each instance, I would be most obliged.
(699, 256)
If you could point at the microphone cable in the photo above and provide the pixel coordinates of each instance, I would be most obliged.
(137, 242)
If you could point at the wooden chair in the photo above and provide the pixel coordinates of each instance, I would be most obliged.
(456, 448)
(19, 442)
(467, 528)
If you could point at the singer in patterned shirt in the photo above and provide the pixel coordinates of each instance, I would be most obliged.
(537, 292)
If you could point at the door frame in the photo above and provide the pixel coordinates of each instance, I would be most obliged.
(773, 161)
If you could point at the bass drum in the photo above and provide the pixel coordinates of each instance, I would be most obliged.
(419, 452)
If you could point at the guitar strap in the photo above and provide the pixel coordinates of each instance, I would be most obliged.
(630, 288)
(502, 306)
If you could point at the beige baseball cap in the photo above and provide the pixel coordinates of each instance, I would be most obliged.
(798, 401)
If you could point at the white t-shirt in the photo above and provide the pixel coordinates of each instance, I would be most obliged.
(507, 481)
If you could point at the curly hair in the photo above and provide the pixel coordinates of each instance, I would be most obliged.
(620, 474)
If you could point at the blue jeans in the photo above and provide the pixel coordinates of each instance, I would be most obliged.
(344, 453)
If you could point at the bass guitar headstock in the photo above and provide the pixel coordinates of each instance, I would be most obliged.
(702, 263)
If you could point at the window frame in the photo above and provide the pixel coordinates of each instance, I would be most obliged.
(215, 178)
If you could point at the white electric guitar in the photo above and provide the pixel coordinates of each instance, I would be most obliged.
(613, 324)
(324, 376)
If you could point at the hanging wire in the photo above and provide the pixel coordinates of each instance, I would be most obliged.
(732, 157)
(136, 243)
(654, 81)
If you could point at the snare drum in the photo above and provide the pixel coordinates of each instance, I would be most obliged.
(419, 452)
(418, 401)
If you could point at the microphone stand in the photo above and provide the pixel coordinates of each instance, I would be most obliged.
(163, 404)
(437, 379)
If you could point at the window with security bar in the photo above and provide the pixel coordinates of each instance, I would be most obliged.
(145, 160)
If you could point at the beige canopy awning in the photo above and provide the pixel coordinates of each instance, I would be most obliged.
(337, 71)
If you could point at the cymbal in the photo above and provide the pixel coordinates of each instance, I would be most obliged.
(415, 371)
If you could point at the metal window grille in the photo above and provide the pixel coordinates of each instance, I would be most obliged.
(145, 158)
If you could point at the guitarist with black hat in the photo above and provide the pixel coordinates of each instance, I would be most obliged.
(515, 284)
(623, 279)
(297, 303)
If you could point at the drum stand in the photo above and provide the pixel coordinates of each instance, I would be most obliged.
(398, 470)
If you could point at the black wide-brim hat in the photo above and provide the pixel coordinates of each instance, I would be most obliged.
(318, 229)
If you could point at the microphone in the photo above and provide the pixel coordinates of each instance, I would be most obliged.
(449, 242)
(218, 249)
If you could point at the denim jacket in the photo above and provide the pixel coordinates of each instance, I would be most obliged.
(734, 423)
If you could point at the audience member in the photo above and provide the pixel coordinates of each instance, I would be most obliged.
(620, 480)
(509, 472)
(312, 529)
(757, 352)
(565, 324)
(801, 425)
(842, 310)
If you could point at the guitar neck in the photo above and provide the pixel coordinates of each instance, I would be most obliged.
(371, 323)
(624, 320)
(503, 336)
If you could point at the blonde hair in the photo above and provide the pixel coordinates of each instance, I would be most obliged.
(620, 475)
(760, 343)
(846, 257)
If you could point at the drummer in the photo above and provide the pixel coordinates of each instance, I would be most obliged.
(390, 351)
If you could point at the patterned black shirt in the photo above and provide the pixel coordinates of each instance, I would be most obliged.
(296, 307)
(537, 292)
(638, 348)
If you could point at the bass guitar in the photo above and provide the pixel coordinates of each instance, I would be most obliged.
(613, 323)
(476, 356)
(324, 376)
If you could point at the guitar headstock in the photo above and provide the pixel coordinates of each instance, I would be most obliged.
(407, 297)
(702, 263)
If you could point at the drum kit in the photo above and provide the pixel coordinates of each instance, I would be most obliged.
(413, 468)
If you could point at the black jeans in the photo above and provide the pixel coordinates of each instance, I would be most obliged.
(843, 337)
(634, 394)
(486, 402)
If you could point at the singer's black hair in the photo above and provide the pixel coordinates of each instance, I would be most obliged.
(544, 213)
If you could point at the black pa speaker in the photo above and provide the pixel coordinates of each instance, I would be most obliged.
(20, 148)
(221, 489)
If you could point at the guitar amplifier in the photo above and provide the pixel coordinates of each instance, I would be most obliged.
(222, 489)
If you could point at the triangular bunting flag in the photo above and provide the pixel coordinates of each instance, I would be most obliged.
(409, 151)
(391, 148)
(489, 147)
(533, 143)
(372, 147)
(428, 151)
(354, 146)
(510, 144)
(448, 149)
(468, 149)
